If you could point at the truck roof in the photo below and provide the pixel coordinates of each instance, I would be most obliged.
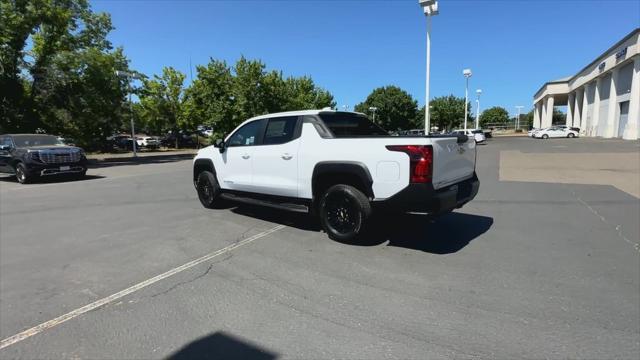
(301, 112)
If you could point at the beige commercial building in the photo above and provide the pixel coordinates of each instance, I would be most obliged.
(603, 99)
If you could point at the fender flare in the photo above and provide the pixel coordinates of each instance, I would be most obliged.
(352, 168)
(200, 164)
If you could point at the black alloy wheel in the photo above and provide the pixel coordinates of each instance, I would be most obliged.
(343, 212)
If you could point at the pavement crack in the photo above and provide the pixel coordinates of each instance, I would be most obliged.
(616, 227)
(177, 285)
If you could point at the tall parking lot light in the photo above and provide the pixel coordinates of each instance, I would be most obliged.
(478, 93)
(519, 107)
(467, 74)
(373, 109)
(129, 76)
(430, 8)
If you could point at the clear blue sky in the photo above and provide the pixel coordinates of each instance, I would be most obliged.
(351, 47)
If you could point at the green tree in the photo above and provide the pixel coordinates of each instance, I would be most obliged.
(493, 115)
(223, 97)
(447, 112)
(396, 109)
(161, 101)
(210, 100)
(65, 81)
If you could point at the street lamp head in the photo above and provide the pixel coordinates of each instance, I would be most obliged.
(479, 91)
(373, 108)
(430, 7)
(467, 73)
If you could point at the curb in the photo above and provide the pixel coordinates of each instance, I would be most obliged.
(146, 158)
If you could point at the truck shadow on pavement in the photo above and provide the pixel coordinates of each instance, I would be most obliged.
(220, 345)
(51, 179)
(444, 234)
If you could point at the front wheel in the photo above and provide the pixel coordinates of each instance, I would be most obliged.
(545, 136)
(571, 135)
(208, 189)
(343, 212)
(22, 174)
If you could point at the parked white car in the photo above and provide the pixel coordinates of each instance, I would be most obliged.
(532, 132)
(147, 142)
(476, 134)
(555, 132)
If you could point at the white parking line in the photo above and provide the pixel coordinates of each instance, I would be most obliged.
(94, 305)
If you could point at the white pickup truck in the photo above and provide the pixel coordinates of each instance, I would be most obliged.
(338, 166)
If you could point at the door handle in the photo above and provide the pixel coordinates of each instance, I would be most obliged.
(246, 156)
(287, 156)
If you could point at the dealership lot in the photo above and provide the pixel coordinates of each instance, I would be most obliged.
(528, 269)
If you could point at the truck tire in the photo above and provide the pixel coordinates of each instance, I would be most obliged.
(208, 190)
(343, 212)
(22, 174)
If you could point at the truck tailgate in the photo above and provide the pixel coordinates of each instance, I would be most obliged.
(452, 161)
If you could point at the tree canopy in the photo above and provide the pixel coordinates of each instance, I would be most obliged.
(396, 108)
(58, 74)
(447, 112)
(64, 82)
(495, 115)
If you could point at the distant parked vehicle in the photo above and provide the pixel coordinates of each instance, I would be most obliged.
(30, 156)
(476, 134)
(148, 142)
(555, 132)
(184, 139)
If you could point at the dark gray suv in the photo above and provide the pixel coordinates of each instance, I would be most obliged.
(30, 156)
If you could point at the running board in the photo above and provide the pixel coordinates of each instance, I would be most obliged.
(260, 202)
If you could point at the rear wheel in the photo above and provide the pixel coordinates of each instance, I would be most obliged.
(208, 190)
(571, 135)
(22, 175)
(343, 212)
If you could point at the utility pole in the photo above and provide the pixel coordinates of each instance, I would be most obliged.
(430, 8)
(129, 76)
(467, 74)
(519, 107)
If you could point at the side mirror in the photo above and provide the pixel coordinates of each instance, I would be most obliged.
(220, 145)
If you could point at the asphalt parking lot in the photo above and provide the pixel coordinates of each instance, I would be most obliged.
(527, 270)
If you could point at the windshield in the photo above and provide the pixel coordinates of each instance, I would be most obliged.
(35, 140)
(351, 125)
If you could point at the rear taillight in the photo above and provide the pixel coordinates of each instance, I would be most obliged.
(420, 160)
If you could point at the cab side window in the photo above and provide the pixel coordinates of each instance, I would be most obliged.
(246, 135)
(280, 130)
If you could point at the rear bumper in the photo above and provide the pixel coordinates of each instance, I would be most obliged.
(424, 198)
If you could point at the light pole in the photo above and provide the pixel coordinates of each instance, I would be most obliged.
(467, 74)
(373, 110)
(478, 92)
(129, 76)
(430, 8)
(519, 107)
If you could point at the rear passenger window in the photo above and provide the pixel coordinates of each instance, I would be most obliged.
(280, 130)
